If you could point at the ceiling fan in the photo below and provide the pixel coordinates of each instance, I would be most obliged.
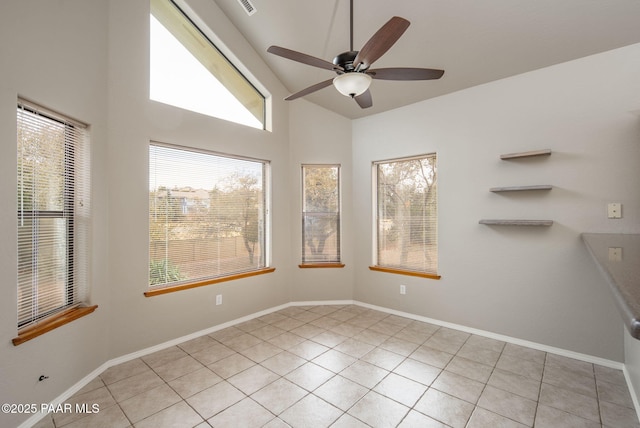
(353, 70)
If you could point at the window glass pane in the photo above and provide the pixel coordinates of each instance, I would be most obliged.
(321, 214)
(188, 71)
(53, 212)
(407, 214)
(43, 281)
(206, 215)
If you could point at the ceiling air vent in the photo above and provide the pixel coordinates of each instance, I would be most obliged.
(247, 6)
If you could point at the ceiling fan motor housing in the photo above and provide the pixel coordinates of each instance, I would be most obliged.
(345, 60)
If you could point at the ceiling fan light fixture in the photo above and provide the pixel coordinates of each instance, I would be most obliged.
(352, 84)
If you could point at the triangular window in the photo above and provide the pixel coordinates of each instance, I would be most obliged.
(188, 71)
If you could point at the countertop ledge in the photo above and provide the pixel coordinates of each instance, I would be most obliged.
(622, 274)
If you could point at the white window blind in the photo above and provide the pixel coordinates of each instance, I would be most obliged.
(321, 214)
(53, 212)
(206, 215)
(407, 214)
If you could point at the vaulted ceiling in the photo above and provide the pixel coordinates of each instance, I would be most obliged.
(474, 41)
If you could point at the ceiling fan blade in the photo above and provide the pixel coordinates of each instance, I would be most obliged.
(405, 73)
(303, 58)
(310, 90)
(381, 42)
(364, 100)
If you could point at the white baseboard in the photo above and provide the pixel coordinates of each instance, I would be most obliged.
(137, 354)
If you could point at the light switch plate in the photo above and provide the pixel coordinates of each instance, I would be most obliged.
(614, 210)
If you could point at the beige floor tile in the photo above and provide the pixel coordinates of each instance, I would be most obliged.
(329, 339)
(413, 336)
(354, 347)
(341, 392)
(226, 333)
(163, 357)
(418, 420)
(231, 365)
(213, 353)
(180, 414)
(250, 325)
(400, 389)
(478, 354)
(283, 363)
(347, 329)
(618, 416)
(482, 418)
(509, 405)
(399, 346)
(242, 342)
(311, 411)
(523, 353)
(152, 401)
(288, 323)
(245, 413)
(443, 344)
(431, 356)
(415, 370)
(383, 358)
(261, 352)
(308, 331)
(194, 382)
(378, 411)
(177, 368)
(549, 417)
(364, 374)
(308, 349)
(124, 370)
(348, 421)
(372, 337)
(486, 343)
(445, 408)
(197, 344)
(111, 417)
(520, 366)
(614, 393)
(471, 369)
(253, 379)
(213, 400)
(286, 340)
(134, 385)
(570, 364)
(91, 386)
(458, 386)
(334, 360)
(100, 397)
(571, 380)
(309, 376)
(386, 327)
(279, 396)
(571, 402)
(607, 374)
(516, 384)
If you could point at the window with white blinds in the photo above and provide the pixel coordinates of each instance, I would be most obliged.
(207, 215)
(406, 207)
(53, 213)
(320, 214)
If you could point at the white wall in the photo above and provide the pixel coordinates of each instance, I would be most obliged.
(319, 136)
(53, 53)
(138, 321)
(533, 284)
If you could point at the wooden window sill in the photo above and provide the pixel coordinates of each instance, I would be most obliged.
(172, 289)
(51, 323)
(404, 272)
(320, 265)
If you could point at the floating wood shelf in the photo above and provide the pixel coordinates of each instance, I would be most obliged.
(521, 188)
(544, 223)
(545, 152)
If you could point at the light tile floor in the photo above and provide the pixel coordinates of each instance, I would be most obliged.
(349, 366)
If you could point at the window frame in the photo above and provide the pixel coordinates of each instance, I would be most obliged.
(174, 17)
(204, 281)
(330, 263)
(75, 297)
(376, 266)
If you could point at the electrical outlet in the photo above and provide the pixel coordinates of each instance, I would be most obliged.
(615, 254)
(218, 299)
(403, 289)
(614, 210)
